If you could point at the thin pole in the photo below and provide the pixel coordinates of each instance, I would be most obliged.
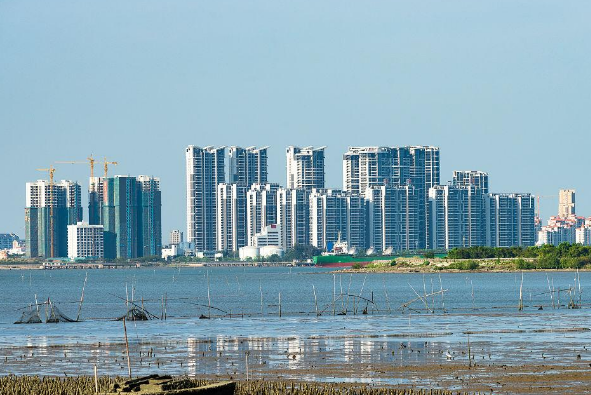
(279, 304)
(208, 297)
(127, 348)
(261, 291)
(315, 300)
(96, 389)
(81, 298)
(334, 291)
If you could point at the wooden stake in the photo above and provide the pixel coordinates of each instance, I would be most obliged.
(127, 348)
(96, 389)
(279, 304)
(521, 293)
(315, 300)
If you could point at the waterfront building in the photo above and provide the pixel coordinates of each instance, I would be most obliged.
(120, 214)
(132, 217)
(305, 167)
(510, 219)
(231, 217)
(336, 214)
(150, 216)
(247, 166)
(261, 208)
(48, 212)
(293, 216)
(85, 241)
(205, 169)
(458, 216)
(269, 235)
(7, 239)
(176, 237)
(393, 218)
(583, 235)
(471, 177)
(365, 167)
(566, 203)
(95, 200)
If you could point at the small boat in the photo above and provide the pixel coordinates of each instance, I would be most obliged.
(166, 385)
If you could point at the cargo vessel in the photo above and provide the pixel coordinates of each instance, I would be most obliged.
(339, 255)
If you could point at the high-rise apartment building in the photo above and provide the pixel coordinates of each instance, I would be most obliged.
(132, 217)
(150, 216)
(293, 215)
(247, 165)
(95, 200)
(305, 167)
(176, 237)
(334, 214)
(365, 167)
(205, 169)
(458, 216)
(49, 210)
(328, 217)
(261, 208)
(471, 177)
(510, 220)
(231, 217)
(120, 217)
(566, 203)
(85, 241)
(393, 218)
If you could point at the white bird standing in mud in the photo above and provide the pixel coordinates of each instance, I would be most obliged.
(449, 356)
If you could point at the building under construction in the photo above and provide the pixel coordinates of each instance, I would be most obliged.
(50, 208)
(131, 215)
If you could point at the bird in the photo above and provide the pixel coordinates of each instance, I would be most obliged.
(448, 355)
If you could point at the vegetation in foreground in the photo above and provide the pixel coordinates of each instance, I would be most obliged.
(20, 385)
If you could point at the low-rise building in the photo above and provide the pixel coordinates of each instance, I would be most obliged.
(85, 241)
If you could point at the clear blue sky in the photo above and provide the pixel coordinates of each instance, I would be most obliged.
(500, 86)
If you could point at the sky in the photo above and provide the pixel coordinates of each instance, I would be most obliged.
(502, 86)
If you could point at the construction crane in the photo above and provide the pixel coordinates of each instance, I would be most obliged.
(89, 161)
(106, 165)
(51, 171)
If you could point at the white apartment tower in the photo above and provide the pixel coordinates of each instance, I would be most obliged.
(471, 177)
(566, 203)
(247, 166)
(261, 208)
(305, 167)
(392, 218)
(293, 215)
(458, 216)
(85, 241)
(205, 169)
(231, 217)
(176, 237)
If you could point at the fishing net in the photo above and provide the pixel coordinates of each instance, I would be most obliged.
(134, 314)
(55, 315)
(30, 316)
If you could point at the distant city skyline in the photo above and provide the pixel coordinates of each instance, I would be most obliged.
(140, 84)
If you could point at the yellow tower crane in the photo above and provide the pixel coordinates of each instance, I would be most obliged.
(51, 171)
(89, 161)
(106, 165)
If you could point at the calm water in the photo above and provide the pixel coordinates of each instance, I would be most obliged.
(483, 305)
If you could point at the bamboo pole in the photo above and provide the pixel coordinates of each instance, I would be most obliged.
(127, 348)
(521, 293)
(315, 300)
(96, 387)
